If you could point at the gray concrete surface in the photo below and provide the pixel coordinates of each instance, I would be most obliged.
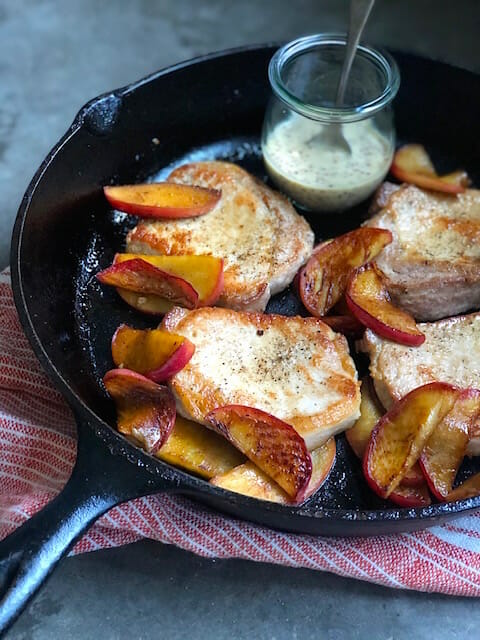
(152, 591)
(55, 55)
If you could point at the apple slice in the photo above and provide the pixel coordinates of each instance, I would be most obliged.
(199, 450)
(401, 434)
(370, 413)
(140, 276)
(468, 489)
(369, 301)
(148, 304)
(412, 164)
(359, 435)
(460, 177)
(162, 199)
(204, 273)
(348, 325)
(445, 449)
(249, 480)
(323, 459)
(324, 277)
(145, 410)
(410, 497)
(270, 443)
(414, 477)
(154, 353)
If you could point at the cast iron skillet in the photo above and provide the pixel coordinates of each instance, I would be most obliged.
(211, 107)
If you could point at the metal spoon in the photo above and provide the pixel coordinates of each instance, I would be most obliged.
(332, 134)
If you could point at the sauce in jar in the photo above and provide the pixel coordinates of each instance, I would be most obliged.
(299, 143)
(321, 177)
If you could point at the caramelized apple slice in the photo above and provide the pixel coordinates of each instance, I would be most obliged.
(140, 276)
(370, 413)
(156, 354)
(413, 158)
(323, 459)
(199, 450)
(348, 325)
(145, 410)
(249, 480)
(460, 177)
(324, 278)
(412, 164)
(162, 199)
(409, 497)
(446, 447)
(204, 273)
(401, 434)
(273, 445)
(149, 304)
(359, 435)
(468, 489)
(414, 477)
(369, 301)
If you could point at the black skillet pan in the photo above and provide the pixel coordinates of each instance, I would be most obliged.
(65, 232)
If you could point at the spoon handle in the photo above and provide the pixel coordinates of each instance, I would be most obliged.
(359, 12)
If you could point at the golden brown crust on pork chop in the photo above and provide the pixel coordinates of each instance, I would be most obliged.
(261, 237)
(450, 353)
(295, 368)
(382, 196)
(432, 267)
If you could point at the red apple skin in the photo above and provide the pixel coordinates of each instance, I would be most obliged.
(426, 182)
(209, 196)
(348, 325)
(150, 352)
(323, 279)
(145, 409)
(273, 445)
(464, 412)
(140, 276)
(366, 290)
(445, 389)
(207, 295)
(175, 363)
(411, 497)
(412, 164)
(381, 329)
(414, 477)
(210, 300)
(323, 459)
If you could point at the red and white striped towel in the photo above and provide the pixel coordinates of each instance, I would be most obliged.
(37, 452)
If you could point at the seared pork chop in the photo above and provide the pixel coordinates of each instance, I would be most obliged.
(450, 353)
(382, 196)
(295, 368)
(432, 267)
(261, 237)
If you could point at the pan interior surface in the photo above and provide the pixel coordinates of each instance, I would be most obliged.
(99, 312)
(212, 109)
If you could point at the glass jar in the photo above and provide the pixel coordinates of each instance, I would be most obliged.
(304, 75)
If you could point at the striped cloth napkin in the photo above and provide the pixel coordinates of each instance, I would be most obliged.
(37, 452)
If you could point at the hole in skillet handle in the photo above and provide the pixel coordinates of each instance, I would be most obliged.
(100, 480)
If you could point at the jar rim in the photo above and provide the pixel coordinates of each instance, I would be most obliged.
(297, 47)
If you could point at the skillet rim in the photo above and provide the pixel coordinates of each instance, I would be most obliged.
(181, 481)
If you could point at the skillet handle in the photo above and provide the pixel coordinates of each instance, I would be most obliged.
(98, 482)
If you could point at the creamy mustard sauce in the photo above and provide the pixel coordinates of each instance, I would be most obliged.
(324, 178)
